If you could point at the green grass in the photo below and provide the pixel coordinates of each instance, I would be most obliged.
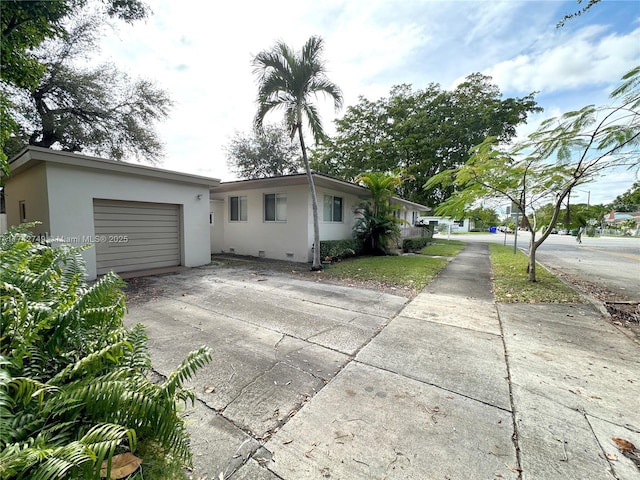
(157, 464)
(443, 248)
(412, 271)
(511, 282)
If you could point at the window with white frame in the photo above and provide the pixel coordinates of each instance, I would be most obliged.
(238, 209)
(332, 211)
(275, 207)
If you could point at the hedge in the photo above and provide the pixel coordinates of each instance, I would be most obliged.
(415, 244)
(335, 249)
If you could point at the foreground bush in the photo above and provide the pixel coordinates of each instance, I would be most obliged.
(73, 385)
(338, 249)
(415, 244)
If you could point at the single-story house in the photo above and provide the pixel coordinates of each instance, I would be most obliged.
(140, 217)
(273, 217)
(439, 223)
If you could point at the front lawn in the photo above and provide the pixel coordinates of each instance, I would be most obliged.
(412, 271)
(443, 248)
(512, 286)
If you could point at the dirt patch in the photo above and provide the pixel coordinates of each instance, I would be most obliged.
(141, 289)
(623, 312)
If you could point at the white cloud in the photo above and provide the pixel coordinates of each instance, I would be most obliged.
(605, 189)
(201, 52)
(587, 58)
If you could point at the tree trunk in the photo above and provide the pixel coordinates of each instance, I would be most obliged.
(316, 265)
(532, 257)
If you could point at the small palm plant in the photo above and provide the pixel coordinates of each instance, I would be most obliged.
(73, 380)
(377, 226)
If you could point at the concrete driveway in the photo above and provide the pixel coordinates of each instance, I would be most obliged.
(276, 342)
(314, 381)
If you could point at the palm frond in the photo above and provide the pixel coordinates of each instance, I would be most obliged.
(194, 361)
(72, 378)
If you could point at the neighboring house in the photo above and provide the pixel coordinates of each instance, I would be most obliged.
(137, 217)
(409, 214)
(440, 223)
(141, 218)
(631, 219)
(273, 217)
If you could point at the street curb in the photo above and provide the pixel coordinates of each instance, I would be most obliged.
(597, 304)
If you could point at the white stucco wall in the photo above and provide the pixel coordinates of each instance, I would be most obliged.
(335, 230)
(255, 237)
(31, 187)
(216, 210)
(291, 240)
(72, 190)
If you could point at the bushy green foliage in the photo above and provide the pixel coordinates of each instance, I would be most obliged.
(73, 385)
(335, 249)
(415, 244)
(423, 130)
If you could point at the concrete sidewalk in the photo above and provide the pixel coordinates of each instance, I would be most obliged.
(313, 381)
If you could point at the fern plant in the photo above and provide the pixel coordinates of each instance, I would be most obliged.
(73, 380)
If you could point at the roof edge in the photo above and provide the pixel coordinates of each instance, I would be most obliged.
(31, 155)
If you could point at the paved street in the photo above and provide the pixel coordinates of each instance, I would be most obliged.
(609, 261)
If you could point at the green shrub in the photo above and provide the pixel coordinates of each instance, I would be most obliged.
(73, 384)
(338, 249)
(415, 244)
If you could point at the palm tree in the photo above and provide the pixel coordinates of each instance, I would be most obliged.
(377, 226)
(290, 81)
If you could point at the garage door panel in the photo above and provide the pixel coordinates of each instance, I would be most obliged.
(132, 214)
(139, 246)
(163, 221)
(143, 239)
(136, 227)
(130, 267)
(137, 251)
(117, 263)
(136, 235)
(105, 205)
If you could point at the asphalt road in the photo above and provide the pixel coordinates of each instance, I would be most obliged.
(608, 261)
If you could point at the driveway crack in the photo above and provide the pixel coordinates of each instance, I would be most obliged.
(515, 436)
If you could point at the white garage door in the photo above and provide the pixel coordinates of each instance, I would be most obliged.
(135, 235)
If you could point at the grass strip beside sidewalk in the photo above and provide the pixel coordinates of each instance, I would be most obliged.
(409, 271)
(511, 284)
(443, 248)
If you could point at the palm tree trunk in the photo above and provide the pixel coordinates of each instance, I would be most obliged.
(316, 265)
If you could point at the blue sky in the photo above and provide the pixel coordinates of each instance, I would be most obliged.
(201, 52)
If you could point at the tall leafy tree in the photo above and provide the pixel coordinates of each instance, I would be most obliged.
(629, 201)
(24, 26)
(263, 153)
(483, 217)
(422, 132)
(95, 109)
(561, 155)
(290, 81)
